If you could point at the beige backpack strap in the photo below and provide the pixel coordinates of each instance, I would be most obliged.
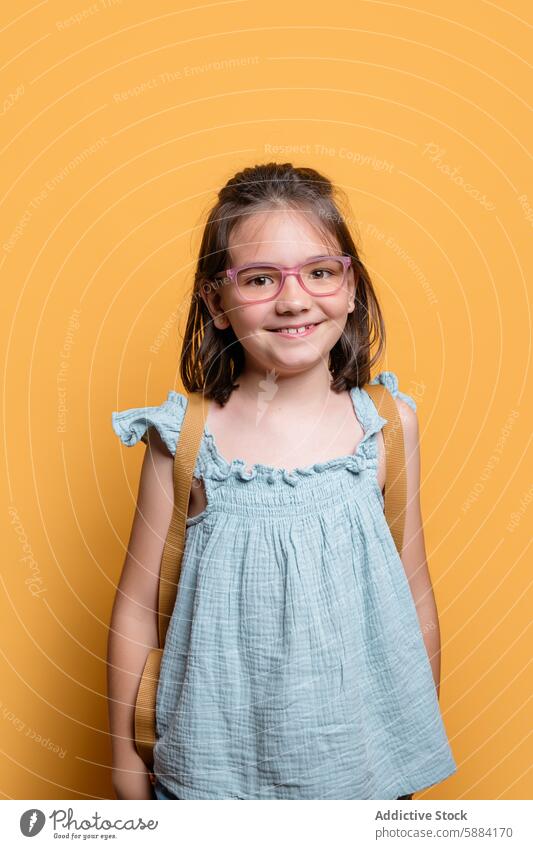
(396, 483)
(187, 448)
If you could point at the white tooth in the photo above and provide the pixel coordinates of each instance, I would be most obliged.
(296, 329)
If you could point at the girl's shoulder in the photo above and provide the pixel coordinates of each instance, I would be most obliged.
(390, 380)
(132, 425)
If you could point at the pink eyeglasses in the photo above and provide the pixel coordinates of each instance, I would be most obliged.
(319, 276)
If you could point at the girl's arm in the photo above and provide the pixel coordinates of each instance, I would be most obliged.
(133, 628)
(414, 553)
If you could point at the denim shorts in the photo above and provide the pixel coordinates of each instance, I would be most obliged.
(161, 792)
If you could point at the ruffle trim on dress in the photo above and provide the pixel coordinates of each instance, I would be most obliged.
(219, 469)
(132, 425)
(389, 379)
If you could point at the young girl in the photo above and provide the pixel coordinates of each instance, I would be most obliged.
(302, 657)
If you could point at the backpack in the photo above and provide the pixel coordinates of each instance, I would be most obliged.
(184, 463)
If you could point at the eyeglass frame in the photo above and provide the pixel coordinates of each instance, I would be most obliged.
(231, 274)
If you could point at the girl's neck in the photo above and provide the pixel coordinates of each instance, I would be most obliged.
(303, 393)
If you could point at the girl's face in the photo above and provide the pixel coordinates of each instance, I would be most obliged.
(284, 237)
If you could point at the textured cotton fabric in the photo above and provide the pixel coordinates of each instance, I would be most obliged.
(294, 665)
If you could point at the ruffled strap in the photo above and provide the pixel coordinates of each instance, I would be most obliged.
(132, 425)
(390, 380)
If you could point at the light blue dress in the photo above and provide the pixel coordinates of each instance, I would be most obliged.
(294, 665)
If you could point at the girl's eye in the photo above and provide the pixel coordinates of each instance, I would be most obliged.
(321, 271)
(255, 281)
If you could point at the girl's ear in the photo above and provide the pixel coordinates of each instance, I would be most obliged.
(211, 298)
(352, 288)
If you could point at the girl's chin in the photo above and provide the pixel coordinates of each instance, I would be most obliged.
(287, 358)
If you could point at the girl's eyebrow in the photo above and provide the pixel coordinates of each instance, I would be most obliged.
(266, 261)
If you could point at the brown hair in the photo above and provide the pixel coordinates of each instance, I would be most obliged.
(212, 359)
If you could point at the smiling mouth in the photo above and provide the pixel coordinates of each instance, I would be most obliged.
(304, 330)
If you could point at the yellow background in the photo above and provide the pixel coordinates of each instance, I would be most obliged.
(419, 112)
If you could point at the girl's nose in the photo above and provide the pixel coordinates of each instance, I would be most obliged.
(292, 292)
